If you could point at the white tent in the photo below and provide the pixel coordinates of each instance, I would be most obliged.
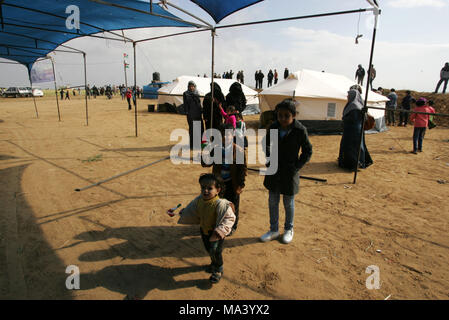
(322, 97)
(172, 93)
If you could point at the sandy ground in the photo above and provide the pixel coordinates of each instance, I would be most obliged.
(125, 246)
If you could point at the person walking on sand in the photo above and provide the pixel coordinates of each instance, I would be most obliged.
(444, 77)
(128, 98)
(292, 138)
(61, 92)
(276, 77)
(216, 218)
(420, 121)
(67, 94)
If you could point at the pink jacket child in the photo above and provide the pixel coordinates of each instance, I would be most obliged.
(229, 117)
(421, 122)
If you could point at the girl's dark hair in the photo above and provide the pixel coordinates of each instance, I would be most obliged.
(420, 103)
(287, 104)
(430, 103)
(230, 108)
(217, 181)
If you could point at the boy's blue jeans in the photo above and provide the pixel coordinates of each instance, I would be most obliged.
(418, 136)
(289, 206)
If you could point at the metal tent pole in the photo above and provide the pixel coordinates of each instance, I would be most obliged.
(85, 88)
(31, 85)
(212, 76)
(135, 87)
(124, 69)
(56, 89)
(376, 12)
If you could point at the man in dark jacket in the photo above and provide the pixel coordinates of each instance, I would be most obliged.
(261, 76)
(286, 73)
(406, 105)
(292, 138)
(256, 77)
(360, 74)
(192, 106)
(270, 78)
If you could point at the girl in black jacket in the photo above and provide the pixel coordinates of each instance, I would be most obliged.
(292, 138)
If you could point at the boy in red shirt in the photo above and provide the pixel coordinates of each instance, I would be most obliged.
(421, 122)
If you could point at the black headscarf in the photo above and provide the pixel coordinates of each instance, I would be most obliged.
(217, 118)
(236, 97)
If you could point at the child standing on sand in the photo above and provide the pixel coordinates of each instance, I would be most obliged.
(421, 122)
(292, 138)
(215, 217)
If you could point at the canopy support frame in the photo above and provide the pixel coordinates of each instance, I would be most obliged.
(376, 12)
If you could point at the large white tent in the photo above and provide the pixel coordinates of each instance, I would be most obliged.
(172, 93)
(322, 97)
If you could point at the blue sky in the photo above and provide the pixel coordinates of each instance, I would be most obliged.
(411, 45)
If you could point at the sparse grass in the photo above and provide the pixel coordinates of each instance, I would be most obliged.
(97, 157)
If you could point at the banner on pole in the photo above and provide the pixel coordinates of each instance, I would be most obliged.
(42, 72)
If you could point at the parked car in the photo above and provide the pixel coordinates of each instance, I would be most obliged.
(17, 92)
(38, 92)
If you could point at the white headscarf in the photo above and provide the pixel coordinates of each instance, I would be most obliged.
(355, 101)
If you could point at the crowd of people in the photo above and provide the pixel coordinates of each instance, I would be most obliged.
(272, 77)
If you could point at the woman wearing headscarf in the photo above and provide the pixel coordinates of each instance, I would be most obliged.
(218, 99)
(236, 97)
(352, 128)
(192, 106)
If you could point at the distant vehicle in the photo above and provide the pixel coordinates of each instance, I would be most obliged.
(38, 92)
(150, 91)
(17, 92)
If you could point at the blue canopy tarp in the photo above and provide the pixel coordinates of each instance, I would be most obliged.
(42, 24)
(219, 9)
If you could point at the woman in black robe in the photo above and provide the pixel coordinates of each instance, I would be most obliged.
(218, 99)
(236, 97)
(352, 128)
(192, 106)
